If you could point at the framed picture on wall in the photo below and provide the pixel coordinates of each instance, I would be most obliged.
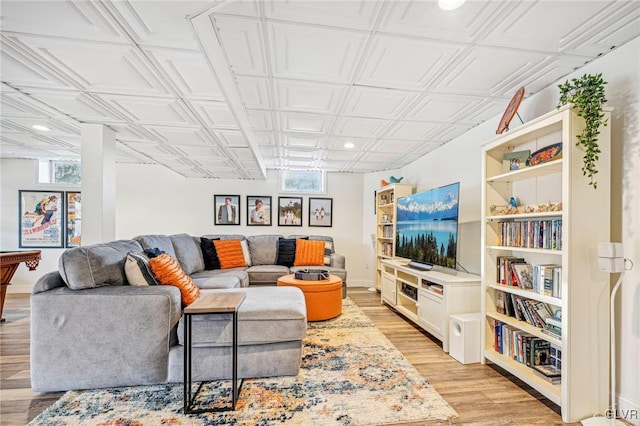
(40, 216)
(74, 219)
(289, 211)
(320, 212)
(258, 210)
(227, 209)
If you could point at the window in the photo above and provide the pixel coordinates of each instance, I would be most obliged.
(62, 172)
(310, 181)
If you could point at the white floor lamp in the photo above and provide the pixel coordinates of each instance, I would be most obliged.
(611, 260)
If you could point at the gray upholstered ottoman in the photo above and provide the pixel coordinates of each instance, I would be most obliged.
(272, 322)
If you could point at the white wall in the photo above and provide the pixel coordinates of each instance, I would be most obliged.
(152, 199)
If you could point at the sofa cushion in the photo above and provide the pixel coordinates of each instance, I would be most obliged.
(239, 273)
(162, 242)
(266, 274)
(267, 314)
(137, 270)
(263, 249)
(188, 253)
(209, 255)
(230, 254)
(168, 271)
(96, 265)
(220, 281)
(309, 253)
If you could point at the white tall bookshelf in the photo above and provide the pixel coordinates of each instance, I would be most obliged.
(585, 216)
(386, 209)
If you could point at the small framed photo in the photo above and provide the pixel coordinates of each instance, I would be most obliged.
(74, 219)
(227, 209)
(289, 211)
(40, 215)
(258, 210)
(320, 212)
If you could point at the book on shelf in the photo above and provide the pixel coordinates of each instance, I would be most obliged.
(515, 160)
(547, 280)
(548, 372)
(540, 352)
(500, 302)
(538, 234)
(524, 275)
(505, 274)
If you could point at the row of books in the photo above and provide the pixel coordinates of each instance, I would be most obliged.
(543, 234)
(542, 279)
(387, 249)
(529, 350)
(531, 311)
(387, 231)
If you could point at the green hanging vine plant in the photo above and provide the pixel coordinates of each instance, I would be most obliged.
(587, 96)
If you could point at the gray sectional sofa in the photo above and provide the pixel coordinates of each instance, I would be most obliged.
(90, 329)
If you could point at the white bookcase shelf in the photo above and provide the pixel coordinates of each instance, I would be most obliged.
(585, 221)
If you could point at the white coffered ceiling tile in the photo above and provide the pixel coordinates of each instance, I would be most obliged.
(298, 153)
(189, 72)
(201, 154)
(241, 39)
(412, 130)
(179, 135)
(254, 92)
(562, 21)
(20, 70)
(300, 140)
(303, 164)
(239, 8)
(266, 138)
(380, 157)
(231, 139)
(360, 127)
(146, 110)
(158, 23)
(215, 114)
(305, 123)
(443, 107)
(376, 102)
(476, 72)
(426, 19)
(345, 155)
(306, 52)
(358, 14)
(394, 146)
(313, 97)
(99, 67)
(79, 106)
(405, 63)
(152, 149)
(77, 19)
(260, 119)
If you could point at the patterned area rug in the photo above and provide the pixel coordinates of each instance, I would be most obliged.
(351, 375)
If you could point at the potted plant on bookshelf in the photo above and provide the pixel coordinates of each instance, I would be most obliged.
(587, 96)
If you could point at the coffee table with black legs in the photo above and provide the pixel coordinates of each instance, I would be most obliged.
(209, 304)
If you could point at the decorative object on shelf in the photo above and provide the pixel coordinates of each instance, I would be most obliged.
(548, 153)
(587, 96)
(515, 160)
(40, 219)
(393, 179)
(512, 109)
(497, 210)
(513, 203)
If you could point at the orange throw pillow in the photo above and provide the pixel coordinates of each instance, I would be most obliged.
(230, 254)
(169, 272)
(309, 253)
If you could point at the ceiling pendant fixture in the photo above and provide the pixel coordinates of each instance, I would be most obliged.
(450, 4)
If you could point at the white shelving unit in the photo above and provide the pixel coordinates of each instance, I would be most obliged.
(585, 216)
(428, 298)
(386, 223)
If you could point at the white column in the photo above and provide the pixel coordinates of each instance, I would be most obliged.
(98, 184)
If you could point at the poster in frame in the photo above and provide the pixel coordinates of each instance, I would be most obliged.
(40, 217)
(258, 210)
(289, 211)
(321, 212)
(74, 218)
(227, 209)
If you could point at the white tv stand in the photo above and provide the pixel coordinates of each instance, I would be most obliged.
(428, 297)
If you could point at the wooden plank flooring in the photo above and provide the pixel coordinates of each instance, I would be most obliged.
(482, 395)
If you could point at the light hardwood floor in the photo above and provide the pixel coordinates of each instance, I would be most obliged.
(482, 395)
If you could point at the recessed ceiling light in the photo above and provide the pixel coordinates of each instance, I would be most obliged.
(41, 127)
(349, 145)
(450, 4)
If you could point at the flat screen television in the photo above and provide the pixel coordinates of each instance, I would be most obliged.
(427, 226)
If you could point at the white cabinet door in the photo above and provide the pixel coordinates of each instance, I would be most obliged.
(431, 311)
(389, 288)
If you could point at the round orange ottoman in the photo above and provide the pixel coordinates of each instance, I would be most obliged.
(323, 298)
